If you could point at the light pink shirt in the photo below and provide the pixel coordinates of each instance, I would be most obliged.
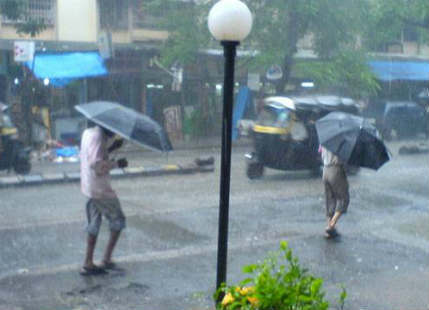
(95, 165)
(329, 158)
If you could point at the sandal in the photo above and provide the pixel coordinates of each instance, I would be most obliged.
(92, 271)
(108, 265)
(331, 233)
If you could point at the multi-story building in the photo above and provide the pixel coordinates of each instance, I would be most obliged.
(78, 25)
(81, 21)
(74, 26)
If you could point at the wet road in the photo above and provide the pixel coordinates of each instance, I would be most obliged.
(168, 252)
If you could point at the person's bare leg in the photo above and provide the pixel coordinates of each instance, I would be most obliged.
(328, 221)
(90, 246)
(334, 220)
(114, 236)
(330, 208)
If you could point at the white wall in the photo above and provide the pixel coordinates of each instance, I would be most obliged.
(77, 20)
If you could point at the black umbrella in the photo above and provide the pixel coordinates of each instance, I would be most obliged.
(127, 123)
(353, 139)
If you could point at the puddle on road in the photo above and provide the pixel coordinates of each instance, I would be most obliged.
(366, 199)
(418, 228)
(163, 230)
(85, 290)
(112, 293)
(135, 287)
(287, 234)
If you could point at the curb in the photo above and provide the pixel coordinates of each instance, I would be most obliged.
(69, 177)
(413, 149)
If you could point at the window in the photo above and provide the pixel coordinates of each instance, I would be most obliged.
(272, 116)
(410, 34)
(114, 14)
(142, 19)
(156, 18)
(36, 10)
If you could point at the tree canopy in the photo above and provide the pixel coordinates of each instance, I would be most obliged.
(341, 32)
(332, 27)
(390, 20)
(187, 26)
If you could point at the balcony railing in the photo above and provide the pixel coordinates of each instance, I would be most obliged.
(42, 10)
(114, 14)
(143, 20)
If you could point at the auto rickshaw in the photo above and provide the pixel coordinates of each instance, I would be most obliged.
(13, 154)
(284, 134)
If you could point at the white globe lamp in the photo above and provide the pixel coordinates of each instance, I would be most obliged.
(230, 20)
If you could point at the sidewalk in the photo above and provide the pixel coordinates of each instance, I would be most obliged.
(397, 148)
(64, 177)
(201, 143)
(137, 171)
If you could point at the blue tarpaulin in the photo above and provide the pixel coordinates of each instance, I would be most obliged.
(400, 70)
(62, 68)
(67, 151)
(244, 99)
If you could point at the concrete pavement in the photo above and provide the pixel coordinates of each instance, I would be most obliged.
(168, 252)
(396, 147)
(65, 175)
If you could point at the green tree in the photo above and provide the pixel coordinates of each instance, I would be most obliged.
(279, 25)
(187, 26)
(388, 19)
(188, 33)
(16, 10)
(333, 26)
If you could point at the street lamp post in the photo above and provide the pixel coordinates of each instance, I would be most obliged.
(230, 22)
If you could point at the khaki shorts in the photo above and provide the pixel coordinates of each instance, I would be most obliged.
(336, 190)
(110, 209)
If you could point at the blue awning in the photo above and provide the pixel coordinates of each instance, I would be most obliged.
(62, 68)
(400, 70)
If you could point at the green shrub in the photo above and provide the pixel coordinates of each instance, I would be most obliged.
(274, 285)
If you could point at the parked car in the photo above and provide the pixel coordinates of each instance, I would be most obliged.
(403, 119)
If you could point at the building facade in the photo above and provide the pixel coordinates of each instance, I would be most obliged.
(118, 30)
(128, 39)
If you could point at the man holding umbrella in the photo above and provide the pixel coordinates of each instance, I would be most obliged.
(102, 199)
(346, 139)
(336, 190)
(111, 118)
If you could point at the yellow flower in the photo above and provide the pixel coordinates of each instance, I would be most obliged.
(247, 290)
(227, 299)
(253, 300)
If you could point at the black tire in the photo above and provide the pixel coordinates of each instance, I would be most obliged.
(254, 170)
(22, 167)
